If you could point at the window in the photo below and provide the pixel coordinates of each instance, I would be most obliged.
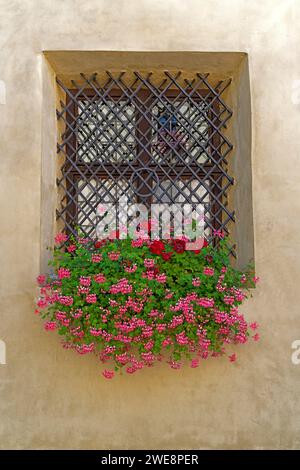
(128, 135)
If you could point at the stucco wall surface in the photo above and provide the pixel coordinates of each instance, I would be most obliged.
(51, 398)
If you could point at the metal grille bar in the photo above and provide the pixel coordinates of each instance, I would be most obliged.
(154, 143)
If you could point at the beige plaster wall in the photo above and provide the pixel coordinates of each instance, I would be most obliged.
(51, 398)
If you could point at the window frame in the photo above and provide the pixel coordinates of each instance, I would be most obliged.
(74, 168)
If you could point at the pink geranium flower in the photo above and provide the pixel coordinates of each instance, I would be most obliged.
(91, 298)
(131, 269)
(108, 374)
(50, 326)
(113, 255)
(196, 282)
(85, 281)
(100, 278)
(195, 363)
(63, 273)
(162, 278)
(96, 258)
(60, 238)
(41, 279)
(208, 271)
(232, 357)
(149, 263)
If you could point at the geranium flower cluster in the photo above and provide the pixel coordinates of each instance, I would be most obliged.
(133, 303)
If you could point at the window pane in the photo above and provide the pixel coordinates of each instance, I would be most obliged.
(93, 192)
(106, 131)
(183, 126)
(186, 192)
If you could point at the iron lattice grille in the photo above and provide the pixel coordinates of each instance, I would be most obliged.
(154, 143)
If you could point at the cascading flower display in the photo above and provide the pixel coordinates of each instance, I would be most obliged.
(133, 303)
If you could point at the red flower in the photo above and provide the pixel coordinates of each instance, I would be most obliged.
(99, 243)
(179, 246)
(155, 270)
(157, 247)
(209, 258)
(167, 256)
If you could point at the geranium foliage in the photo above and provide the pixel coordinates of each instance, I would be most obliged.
(135, 302)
